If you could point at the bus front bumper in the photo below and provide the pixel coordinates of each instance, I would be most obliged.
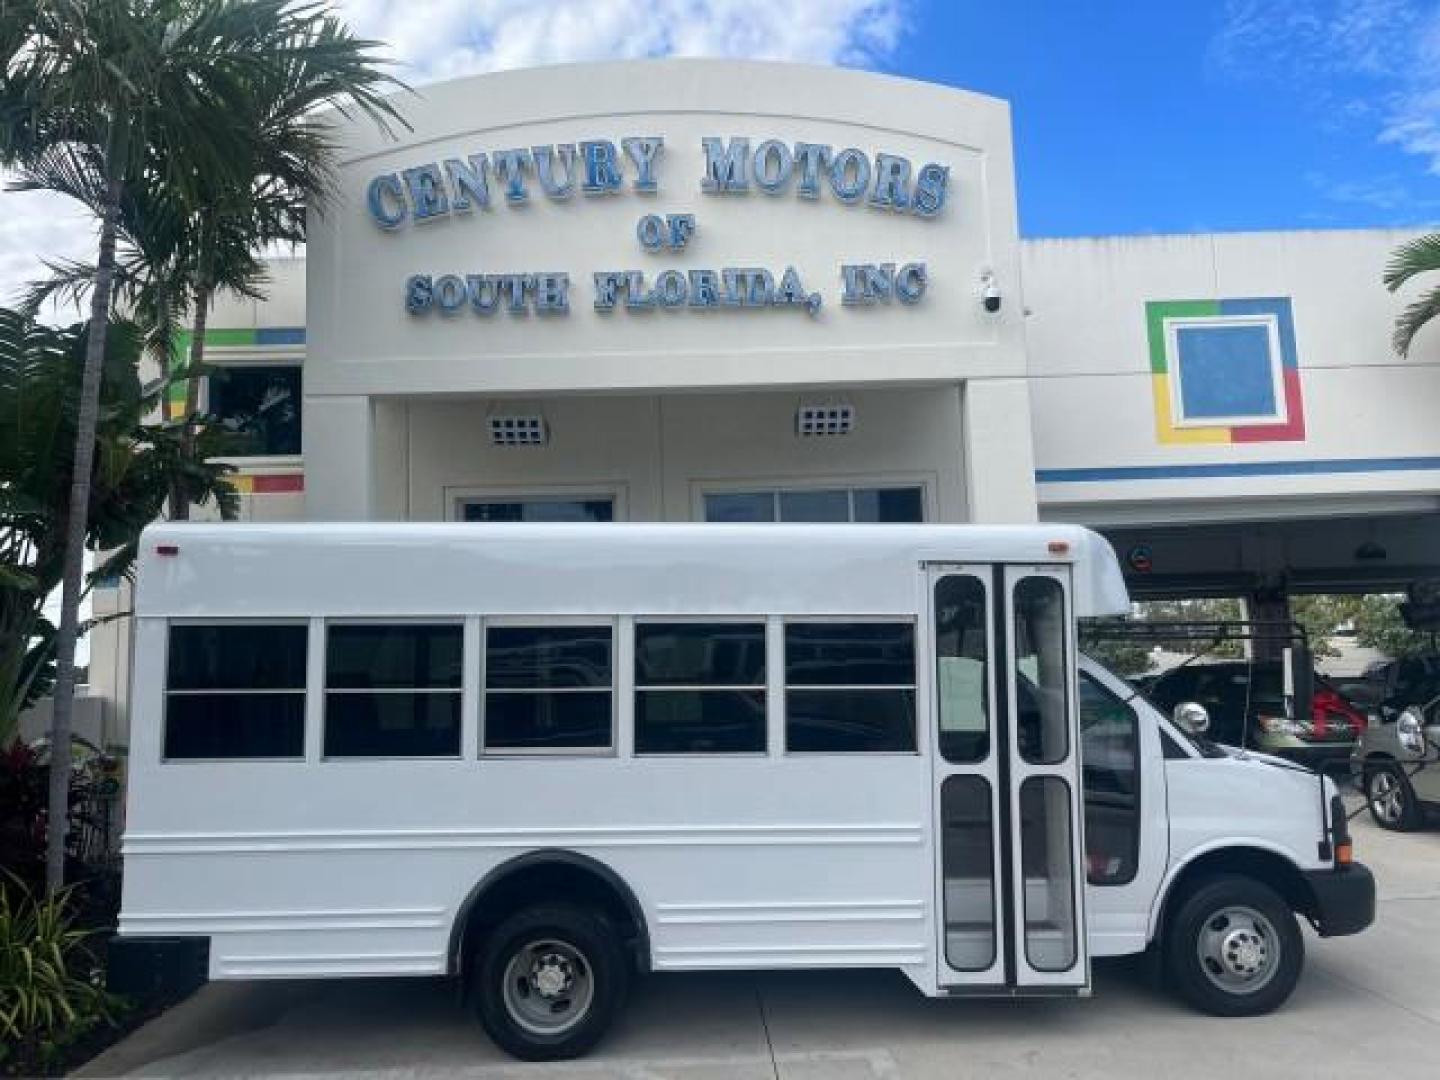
(1344, 899)
(151, 965)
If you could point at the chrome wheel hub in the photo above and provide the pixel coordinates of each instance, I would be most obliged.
(1386, 798)
(548, 987)
(1244, 953)
(551, 976)
(1238, 950)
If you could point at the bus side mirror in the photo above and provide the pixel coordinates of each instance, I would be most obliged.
(1299, 682)
(1192, 717)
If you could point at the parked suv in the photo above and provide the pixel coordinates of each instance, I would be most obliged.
(1246, 703)
(1398, 684)
(1397, 764)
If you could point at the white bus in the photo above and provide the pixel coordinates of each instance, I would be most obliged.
(545, 758)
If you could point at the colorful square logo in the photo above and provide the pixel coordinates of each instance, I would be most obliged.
(1225, 371)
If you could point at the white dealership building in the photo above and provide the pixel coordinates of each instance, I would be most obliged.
(690, 290)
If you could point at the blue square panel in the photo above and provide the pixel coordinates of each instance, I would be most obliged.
(1226, 372)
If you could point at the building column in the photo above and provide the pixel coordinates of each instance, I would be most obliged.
(339, 459)
(1268, 608)
(999, 451)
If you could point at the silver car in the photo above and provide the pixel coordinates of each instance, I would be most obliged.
(1396, 764)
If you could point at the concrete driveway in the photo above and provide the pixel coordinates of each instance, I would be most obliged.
(1366, 1005)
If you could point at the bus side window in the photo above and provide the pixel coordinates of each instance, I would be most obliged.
(962, 673)
(549, 689)
(1109, 742)
(392, 690)
(850, 687)
(235, 690)
(700, 688)
(1042, 733)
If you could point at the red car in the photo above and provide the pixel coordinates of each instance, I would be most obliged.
(1246, 704)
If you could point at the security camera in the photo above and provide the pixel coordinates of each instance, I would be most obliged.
(989, 292)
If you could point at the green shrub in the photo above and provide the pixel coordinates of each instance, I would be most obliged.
(51, 992)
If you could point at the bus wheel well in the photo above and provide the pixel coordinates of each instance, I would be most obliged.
(544, 877)
(1263, 866)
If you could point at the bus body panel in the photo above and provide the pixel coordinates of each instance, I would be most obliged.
(770, 863)
(637, 569)
(322, 867)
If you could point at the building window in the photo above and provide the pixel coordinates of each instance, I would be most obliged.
(699, 688)
(549, 688)
(392, 690)
(878, 504)
(259, 408)
(850, 687)
(236, 691)
(598, 509)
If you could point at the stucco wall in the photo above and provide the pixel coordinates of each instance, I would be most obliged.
(362, 340)
(394, 395)
(657, 454)
(1368, 415)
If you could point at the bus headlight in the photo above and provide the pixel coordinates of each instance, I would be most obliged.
(1410, 730)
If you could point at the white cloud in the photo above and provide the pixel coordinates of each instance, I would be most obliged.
(1385, 53)
(441, 39)
(1318, 37)
(1386, 192)
(37, 225)
(446, 38)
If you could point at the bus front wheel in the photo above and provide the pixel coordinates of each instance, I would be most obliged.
(549, 981)
(1233, 947)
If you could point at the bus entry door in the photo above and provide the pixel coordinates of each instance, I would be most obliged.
(1009, 887)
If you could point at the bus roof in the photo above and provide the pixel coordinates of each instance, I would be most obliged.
(197, 570)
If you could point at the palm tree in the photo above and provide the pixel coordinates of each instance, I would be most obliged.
(262, 200)
(1418, 256)
(40, 374)
(109, 97)
(182, 248)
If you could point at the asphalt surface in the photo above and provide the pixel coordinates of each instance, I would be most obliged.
(1366, 1005)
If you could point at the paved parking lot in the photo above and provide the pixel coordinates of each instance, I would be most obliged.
(1367, 1005)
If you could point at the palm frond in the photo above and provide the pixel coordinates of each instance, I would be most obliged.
(1413, 318)
(1418, 256)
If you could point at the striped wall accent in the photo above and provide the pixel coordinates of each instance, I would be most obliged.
(251, 339)
(267, 483)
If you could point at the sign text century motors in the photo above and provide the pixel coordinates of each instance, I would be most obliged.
(600, 167)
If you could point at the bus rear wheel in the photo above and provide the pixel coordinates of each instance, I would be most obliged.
(1233, 948)
(549, 981)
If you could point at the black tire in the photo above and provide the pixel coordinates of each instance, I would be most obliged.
(1390, 798)
(1252, 946)
(569, 946)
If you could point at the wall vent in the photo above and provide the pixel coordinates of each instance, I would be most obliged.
(824, 419)
(518, 431)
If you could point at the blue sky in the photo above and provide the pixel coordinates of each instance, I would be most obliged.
(1131, 116)
(1199, 115)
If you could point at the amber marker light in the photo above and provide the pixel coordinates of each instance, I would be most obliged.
(1059, 547)
(1344, 853)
